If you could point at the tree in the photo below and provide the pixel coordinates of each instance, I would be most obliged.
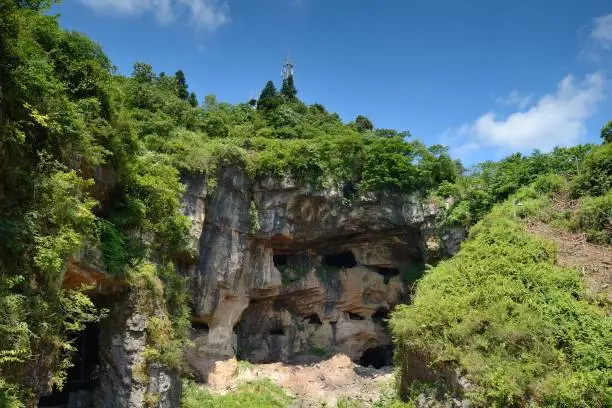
(143, 72)
(181, 83)
(606, 132)
(288, 90)
(193, 99)
(363, 124)
(268, 99)
(390, 133)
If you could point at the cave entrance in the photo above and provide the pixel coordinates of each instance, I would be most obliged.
(380, 316)
(387, 273)
(314, 319)
(377, 357)
(82, 377)
(280, 260)
(344, 259)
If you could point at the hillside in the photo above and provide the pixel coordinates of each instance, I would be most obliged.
(147, 235)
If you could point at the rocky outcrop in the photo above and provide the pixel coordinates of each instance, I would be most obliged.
(284, 271)
(111, 364)
(127, 379)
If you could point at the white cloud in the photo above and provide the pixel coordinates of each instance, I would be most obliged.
(208, 14)
(556, 119)
(602, 31)
(516, 99)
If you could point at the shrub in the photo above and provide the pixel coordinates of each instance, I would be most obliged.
(518, 326)
(594, 217)
(595, 177)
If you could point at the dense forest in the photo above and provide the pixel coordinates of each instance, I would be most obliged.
(523, 330)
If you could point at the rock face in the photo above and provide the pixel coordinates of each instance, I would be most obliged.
(126, 380)
(111, 369)
(283, 271)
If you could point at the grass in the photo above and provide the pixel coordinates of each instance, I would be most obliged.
(243, 366)
(255, 394)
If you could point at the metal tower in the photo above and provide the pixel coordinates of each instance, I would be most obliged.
(287, 69)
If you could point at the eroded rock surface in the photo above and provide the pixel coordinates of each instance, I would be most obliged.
(126, 378)
(284, 271)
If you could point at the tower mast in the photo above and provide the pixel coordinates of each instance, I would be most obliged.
(287, 69)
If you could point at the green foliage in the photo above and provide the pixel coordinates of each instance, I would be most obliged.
(318, 351)
(114, 250)
(243, 366)
(64, 118)
(363, 124)
(268, 99)
(254, 224)
(594, 217)
(518, 326)
(412, 273)
(489, 183)
(159, 293)
(181, 84)
(606, 132)
(288, 90)
(595, 177)
(256, 394)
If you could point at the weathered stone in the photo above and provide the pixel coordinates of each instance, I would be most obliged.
(316, 274)
(126, 378)
(194, 201)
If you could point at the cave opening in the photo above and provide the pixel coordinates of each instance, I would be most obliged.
(355, 316)
(377, 357)
(387, 273)
(82, 377)
(280, 260)
(314, 319)
(196, 325)
(277, 332)
(344, 259)
(381, 315)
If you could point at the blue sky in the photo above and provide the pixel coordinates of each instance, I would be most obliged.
(485, 77)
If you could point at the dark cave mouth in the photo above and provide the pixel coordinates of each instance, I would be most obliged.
(199, 326)
(280, 260)
(377, 357)
(82, 376)
(380, 316)
(344, 259)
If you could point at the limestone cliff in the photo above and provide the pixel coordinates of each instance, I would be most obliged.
(277, 271)
(282, 271)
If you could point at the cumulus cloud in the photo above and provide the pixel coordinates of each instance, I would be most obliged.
(207, 14)
(516, 99)
(556, 119)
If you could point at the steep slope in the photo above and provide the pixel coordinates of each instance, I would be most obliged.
(501, 324)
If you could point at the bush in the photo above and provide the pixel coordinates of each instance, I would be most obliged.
(594, 217)
(518, 326)
(595, 176)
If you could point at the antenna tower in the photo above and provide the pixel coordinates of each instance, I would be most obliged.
(287, 69)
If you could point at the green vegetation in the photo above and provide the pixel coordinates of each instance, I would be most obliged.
(92, 159)
(519, 327)
(243, 366)
(256, 394)
(588, 167)
(318, 351)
